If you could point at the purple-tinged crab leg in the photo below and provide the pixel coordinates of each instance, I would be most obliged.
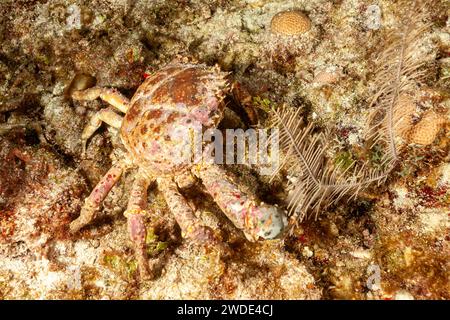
(254, 218)
(191, 226)
(135, 214)
(101, 190)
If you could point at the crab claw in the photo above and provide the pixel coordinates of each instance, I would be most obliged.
(269, 222)
(257, 220)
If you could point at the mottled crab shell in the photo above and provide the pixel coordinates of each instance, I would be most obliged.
(165, 107)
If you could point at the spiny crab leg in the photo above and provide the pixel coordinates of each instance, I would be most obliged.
(191, 226)
(255, 219)
(135, 214)
(105, 115)
(112, 96)
(101, 190)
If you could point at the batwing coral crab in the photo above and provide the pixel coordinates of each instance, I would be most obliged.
(155, 128)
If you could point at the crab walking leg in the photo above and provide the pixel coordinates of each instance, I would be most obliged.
(105, 115)
(254, 218)
(112, 96)
(101, 190)
(135, 213)
(191, 226)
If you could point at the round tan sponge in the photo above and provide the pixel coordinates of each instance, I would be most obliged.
(290, 23)
(427, 129)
